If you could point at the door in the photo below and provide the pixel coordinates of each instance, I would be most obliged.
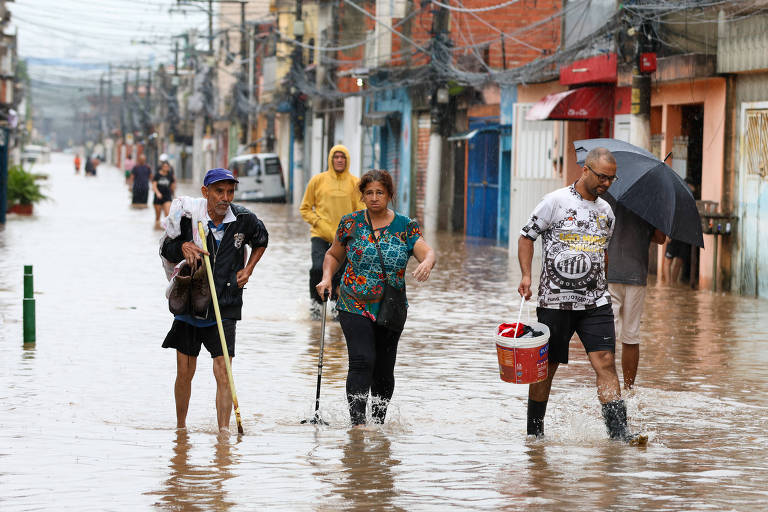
(483, 181)
(273, 186)
(537, 158)
(249, 175)
(753, 203)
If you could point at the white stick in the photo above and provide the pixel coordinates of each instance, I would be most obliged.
(519, 316)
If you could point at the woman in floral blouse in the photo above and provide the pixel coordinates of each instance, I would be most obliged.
(372, 349)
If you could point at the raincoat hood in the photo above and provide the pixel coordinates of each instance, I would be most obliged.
(334, 149)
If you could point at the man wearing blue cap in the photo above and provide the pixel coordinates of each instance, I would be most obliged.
(230, 227)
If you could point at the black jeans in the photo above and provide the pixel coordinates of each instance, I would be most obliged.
(372, 352)
(319, 248)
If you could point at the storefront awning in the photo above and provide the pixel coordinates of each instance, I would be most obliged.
(379, 118)
(467, 135)
(470, 134)
(576, 104)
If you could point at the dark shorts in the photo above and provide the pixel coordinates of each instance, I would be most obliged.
(594, 327)
(187, 338)
(677, 249)
(167, 197)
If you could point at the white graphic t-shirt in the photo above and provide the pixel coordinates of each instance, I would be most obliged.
(574, 235)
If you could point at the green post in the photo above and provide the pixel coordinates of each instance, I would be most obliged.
(29, 306)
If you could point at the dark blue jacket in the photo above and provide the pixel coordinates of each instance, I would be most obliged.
(227, 259)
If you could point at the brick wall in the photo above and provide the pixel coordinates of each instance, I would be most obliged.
(528, 35)
(422, 150)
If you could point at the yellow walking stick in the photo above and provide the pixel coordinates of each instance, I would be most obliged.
(224, 350)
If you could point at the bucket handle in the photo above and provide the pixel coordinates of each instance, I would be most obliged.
(519, 315)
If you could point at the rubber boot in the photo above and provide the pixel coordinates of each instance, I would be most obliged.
(200, 293)
(178, 300)
(536, 412)
(615, 416)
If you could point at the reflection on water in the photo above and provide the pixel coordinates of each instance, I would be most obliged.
(367, 467)
(192, 486)
(87, 414)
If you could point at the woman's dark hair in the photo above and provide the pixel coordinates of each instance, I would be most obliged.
(382, 177)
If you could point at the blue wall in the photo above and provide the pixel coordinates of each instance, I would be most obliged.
(507, 107)
(399, 100)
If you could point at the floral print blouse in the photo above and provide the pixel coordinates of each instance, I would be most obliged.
(363, 282)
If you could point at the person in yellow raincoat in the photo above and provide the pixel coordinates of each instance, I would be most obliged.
(329, 196)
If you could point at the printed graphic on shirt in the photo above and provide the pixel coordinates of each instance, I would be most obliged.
(575, 233)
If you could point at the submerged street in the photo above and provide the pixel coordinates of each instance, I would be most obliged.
(87, 414)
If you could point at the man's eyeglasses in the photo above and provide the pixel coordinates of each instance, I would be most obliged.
(602, 177)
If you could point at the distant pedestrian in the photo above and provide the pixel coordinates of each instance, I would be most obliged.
(627, 276)
(329, 196)
(139, 182)
(91, 163)
(164, 186)
(368, 239)
(230, 228)
(77, 163)
(128, 164)
(576, 225)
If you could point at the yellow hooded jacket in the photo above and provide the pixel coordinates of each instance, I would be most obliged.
(329, 196)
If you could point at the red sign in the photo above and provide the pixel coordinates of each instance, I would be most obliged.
(647, 62)
(594, 70)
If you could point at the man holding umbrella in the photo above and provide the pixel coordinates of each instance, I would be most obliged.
(627, 276)
(576, 225)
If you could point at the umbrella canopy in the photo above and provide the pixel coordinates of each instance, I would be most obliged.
(650, 188)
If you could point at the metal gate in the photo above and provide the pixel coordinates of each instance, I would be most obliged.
(753, 200)
(533, 175)
(483, 181)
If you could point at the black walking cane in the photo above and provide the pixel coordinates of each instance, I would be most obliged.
(316, 419)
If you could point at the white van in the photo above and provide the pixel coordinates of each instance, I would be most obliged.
(260, 176)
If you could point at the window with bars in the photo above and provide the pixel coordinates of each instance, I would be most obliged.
(756, 142)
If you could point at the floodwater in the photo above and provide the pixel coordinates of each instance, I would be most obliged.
(87, 414)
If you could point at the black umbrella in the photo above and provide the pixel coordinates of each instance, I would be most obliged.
(650, 188)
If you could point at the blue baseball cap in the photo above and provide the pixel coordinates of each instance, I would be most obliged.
(218, 174)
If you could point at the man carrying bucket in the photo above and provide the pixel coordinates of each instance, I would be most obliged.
(230, 227)
(576, 225)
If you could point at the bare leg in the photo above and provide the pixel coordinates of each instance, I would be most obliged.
(157, 215)
(166, 208)
(603, 362)
(675, 269)
(666, 270)
(223, 395)
(182, 389)
(630, 357)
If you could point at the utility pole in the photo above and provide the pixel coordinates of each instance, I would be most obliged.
(298, 110)
(440, 19)
(101, 108)
(109, 100)
(210, 27)
(251, 65)
(640, 121)
(176, 57)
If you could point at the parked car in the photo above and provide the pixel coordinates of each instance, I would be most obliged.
(33, 153)
(260, 176)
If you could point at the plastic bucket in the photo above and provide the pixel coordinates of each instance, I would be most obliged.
(523, 360)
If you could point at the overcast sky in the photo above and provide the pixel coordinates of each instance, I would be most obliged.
(69, 43)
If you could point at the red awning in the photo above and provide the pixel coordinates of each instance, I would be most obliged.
(576, 104)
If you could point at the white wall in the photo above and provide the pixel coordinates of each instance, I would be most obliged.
(353, 133)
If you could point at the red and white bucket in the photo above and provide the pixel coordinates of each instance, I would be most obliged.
(522, 360)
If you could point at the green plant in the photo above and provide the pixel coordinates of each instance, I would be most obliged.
(22, 188)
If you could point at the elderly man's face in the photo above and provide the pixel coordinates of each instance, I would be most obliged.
(219, 196)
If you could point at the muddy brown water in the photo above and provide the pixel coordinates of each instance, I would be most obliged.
(87, 414)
